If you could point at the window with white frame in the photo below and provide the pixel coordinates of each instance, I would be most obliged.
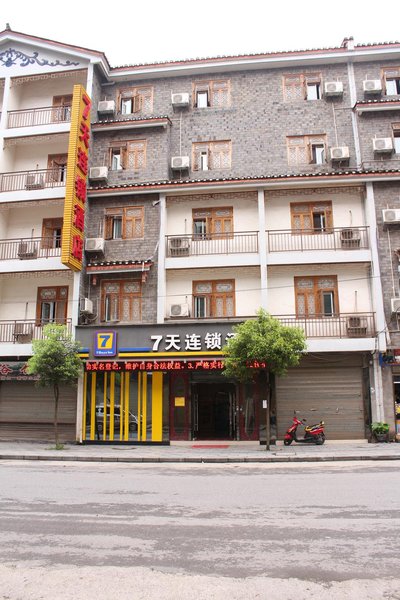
(306, 149)
(302, 86)
(391, 79)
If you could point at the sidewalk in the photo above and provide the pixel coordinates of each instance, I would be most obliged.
(202, 452)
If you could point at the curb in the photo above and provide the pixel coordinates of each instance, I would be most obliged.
(198, 459)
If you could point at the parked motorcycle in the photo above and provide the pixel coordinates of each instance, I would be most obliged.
(313, 434)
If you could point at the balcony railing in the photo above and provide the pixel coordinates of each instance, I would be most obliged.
(24, 331)
(334, 238)
(348, 325)
(32, 180)
(213, 243)
(44, 115)
(30, 248)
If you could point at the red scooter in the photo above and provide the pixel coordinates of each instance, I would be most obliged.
(313, 434)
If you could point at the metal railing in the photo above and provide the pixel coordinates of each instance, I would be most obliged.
(213, 243)
(32, 180)
(332, 238)
(30, 248)
(45, 115)
(24, 331)
(344, 325)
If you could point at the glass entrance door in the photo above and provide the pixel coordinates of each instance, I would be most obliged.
(214, 411)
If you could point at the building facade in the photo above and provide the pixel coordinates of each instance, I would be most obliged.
(216, 187)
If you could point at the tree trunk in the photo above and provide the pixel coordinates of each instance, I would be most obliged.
(268, 414)
(56, 395)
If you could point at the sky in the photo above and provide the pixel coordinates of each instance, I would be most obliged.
(132, 32)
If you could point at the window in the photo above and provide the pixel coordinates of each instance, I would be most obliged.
(216, 94)
(214, 299)
(136, 100)
(212, 221)
(51, 233)
(306, 149)
(303, 86)
(391, 78)
(57, 168)
(396, 137)
(121, 300)
(311, 217)
(61, 108)
(124, 223)
(316, 296)
(51, 306)
(211, 155)
(128, 155)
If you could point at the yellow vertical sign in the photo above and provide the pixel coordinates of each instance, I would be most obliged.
(76, 183)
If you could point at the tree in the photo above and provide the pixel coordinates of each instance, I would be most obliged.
(55, 360)
(262, 346)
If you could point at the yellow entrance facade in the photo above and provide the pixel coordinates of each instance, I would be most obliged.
(122, 406)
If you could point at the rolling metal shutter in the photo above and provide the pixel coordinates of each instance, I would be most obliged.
(332, 393)
(27, 412)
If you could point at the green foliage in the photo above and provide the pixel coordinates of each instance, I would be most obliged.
(264, 340)
(55, 357)
(379, 427)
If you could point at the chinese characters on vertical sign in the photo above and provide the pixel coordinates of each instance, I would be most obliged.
(77, 172)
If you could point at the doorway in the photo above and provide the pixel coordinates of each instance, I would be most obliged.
(214, 411)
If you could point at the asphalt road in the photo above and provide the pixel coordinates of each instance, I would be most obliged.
(83, 531)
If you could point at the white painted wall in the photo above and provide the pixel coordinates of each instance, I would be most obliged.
(40, 93)
(46, 53)
(3, 223)
(347, 209)
(27, 221)
(245, 215)
(353, 287)
(27, 157)
(18, 295)
(247, 287)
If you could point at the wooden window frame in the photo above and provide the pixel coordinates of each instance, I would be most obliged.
(212, 149)
(123, 147)
(317, 294)
(300, 81)
(39, 302)
(49, 226)
(62, 106)
(137, 97)
(130, 295)
(213, 295)
(110, 215)
(212, 87)
(308, 142)
(57, 167)
(309, 211)
(390, 73)
(211, 217)
(396, 136)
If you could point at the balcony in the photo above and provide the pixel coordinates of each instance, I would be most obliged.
(335, 238)
(30, 248)
(24, 331)
(38, 179)
(213, 243)
(344, 325)
(46, 115)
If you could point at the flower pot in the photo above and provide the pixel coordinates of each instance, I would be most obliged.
(381, 437)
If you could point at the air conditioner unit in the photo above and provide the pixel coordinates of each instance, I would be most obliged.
(23, 333)
(94, 245)
(350, 238)
(86, 306)
(106, 107)
(180, 99)
(382, 144)
(340, 153)
(27, 250)
(356, 326)
(179, 246)
(179, 162)
(395, 305)
(391, 215)
(372, 86)
(179, 310)
(333, 88)
(34, 182)
(98, 173)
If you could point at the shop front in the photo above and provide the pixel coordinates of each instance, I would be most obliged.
(163, 383)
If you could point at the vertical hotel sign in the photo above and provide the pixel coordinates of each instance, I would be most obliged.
(76, 184)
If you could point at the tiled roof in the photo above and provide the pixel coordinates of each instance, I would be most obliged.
(135, 119)
(248, 179)
(379, 101)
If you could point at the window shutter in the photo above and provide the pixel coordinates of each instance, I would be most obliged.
(108, 227)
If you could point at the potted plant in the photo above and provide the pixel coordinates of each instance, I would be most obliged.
(380, 431)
